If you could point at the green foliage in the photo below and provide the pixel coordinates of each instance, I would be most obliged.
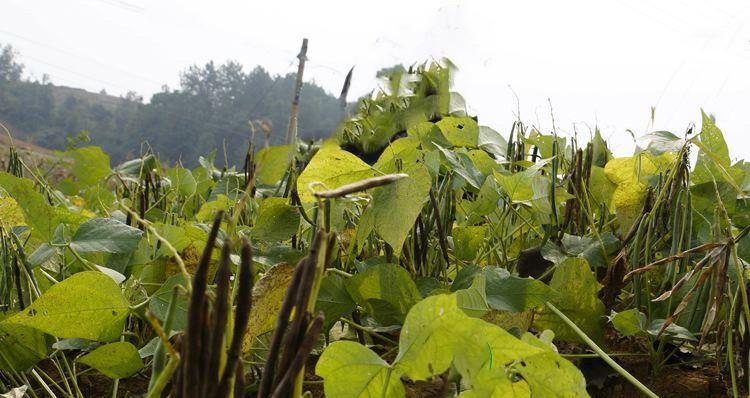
(91, 298)
(467, 240)
(386, 291)
(333, 299)
(20, 346)
(436, 334)
(97, 256)
(396, 206)
(183, 181)
(115, 360)
(508, 292)
(90, 164)
(352, 370)
(630, 322)
(578, 300)
(159, 303)
(36, 212)
(276, 220)
(330, 168)
(271, 164)
(105, 235)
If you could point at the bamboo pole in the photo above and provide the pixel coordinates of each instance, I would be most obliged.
(291, 132)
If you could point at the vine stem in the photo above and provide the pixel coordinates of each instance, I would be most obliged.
(166, 243)
(386, 382)
(611, 362)
(367, 330)
(439, 224)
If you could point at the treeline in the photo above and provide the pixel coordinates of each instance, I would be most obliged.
(209, 111)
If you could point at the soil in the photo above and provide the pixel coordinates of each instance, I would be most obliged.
(673, 380)
(94, 384)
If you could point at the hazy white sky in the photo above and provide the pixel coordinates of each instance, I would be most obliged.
(602, 62)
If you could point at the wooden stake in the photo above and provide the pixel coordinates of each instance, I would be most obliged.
(291, 133)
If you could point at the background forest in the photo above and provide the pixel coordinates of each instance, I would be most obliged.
(210, 110)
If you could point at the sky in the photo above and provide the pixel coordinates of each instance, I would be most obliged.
(569, 65)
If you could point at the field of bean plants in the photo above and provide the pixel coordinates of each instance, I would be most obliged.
(413, 253)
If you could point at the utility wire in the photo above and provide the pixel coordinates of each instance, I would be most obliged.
(72, 54)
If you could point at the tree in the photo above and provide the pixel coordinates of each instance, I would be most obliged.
(10, 70)
(210, 110)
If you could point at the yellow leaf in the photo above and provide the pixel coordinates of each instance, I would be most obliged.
(268, 295)
(10, 214)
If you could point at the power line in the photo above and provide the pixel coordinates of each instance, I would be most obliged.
(90, 78)
(124, 5)
(72, 54)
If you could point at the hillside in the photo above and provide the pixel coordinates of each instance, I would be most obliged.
(62, 93)
(32, 153)
(211, 110)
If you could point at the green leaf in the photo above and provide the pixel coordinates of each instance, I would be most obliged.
(673, 331)
(333, 299)
(549, 375)
(584, 247)
(600, 187)
(105, 235)
(274, 254)
(90, 165)
(230, 185)
(428, 134)
(175, 235)
(21, 347)
(630, 322)
(403, 152)
(601, 153)
(517, 186)
(468, 240)
(396, 206)
(465, 277)
(137, 167)
(277, 220)
(428, 284)
(436, 334)
(492, 142)
(426, 344)
(351, 370)
(461, 164)
(271, 164)
(159, 303)
(183, 181)
(578, 300)
(713, 159)
(460, 131)
(508, 292)
(473, 301)
(90, 298)
(659, 142)
(208, 211)
(485, 203)
(38, 214)
(332, 167)
(386, 291)
(115, 360)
